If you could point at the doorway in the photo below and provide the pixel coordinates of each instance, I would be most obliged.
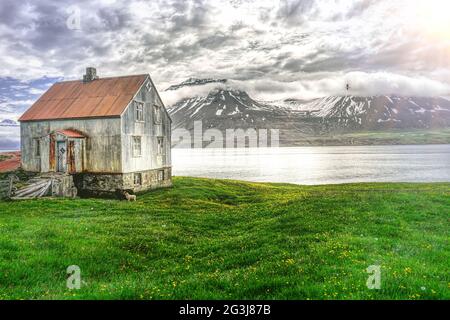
(62, 156)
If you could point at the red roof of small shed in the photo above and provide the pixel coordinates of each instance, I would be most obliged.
(104, 97)
(71, 133)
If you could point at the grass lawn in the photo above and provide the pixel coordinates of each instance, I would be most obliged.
(387, 137)
(213, 239)
(441, 136)
(4, 157)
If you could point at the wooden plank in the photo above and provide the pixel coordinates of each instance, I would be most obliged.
(12, 179)
(45, 189)
(30, 189)
(71, 156)
(52, 157)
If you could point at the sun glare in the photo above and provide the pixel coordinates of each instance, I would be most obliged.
(434, 17)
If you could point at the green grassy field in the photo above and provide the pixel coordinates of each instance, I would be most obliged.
(410, 137)
(213, 239)
(4, 157)
(388, 137)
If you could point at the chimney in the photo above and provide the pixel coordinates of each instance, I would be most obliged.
(91, 74)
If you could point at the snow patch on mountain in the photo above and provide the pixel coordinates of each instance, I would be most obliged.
(195, 82)
(8, 123)
(221, 105)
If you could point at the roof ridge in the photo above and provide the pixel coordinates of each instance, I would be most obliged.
(104, 78)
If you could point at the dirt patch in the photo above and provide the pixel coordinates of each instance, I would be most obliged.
(9, 161)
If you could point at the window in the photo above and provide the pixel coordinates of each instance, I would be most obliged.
(139, 111)
(160, 175)
(148, 85)
(156, 114)
(37, 147)
(160, 145)
(137, 178)
(137, 148)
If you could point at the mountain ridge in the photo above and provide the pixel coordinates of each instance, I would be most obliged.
(195, 82)
(8, 123)
(225, 108)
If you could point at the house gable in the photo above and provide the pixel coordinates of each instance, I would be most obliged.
(151, 88)
(139, 123)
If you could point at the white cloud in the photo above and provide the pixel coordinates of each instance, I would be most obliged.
(361, 84)
(36, 91)
(172, 96)
(9, 138)
(296, 48)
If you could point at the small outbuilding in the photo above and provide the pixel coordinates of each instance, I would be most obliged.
(109, 133)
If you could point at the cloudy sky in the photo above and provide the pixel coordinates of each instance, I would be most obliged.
(273, 49)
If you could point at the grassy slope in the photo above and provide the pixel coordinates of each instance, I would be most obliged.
(226, 239)
(392, 137)
(441, 136)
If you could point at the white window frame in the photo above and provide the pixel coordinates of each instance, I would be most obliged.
(148, 86)
(156, 114)
(139, 111)
(137, 179)
(160, 146)
(137, 152)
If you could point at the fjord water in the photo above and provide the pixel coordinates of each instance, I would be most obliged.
(318, 165)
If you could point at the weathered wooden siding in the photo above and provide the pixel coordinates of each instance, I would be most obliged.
(52, 152)
(28, 160)
(148, 131)
(71, 156)
(103, 143)
(45, 153)
(79, 146)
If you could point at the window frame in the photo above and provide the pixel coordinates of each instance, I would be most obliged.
(36, 147)
(139, 111)
(161, 175)
(148, 86)
(137, 179)
(134, 148)
(160, 147)
(157, 114)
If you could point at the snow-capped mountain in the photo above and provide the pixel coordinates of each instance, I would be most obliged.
(8, 123)
(226, 108)
(379, 112)
(195, 82)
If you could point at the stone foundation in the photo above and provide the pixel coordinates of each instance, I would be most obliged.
(149, 180)
(108, 185)
(63, 186)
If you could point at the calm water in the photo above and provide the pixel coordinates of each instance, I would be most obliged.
(318, 165)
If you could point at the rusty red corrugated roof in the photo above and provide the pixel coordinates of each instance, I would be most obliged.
(104, 97)
(71, 133)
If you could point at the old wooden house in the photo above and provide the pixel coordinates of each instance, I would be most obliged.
(108, 133)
